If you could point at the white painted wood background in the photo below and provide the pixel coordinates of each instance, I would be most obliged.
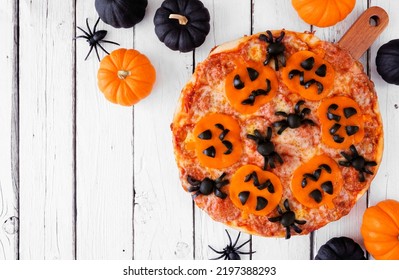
(81, 178)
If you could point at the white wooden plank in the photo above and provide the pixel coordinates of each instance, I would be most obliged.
(224, 28)
(349, 225)
(269, 15)
(104, 155)
(385, 184)
(163, 217)
(46, 130)
(8, 135)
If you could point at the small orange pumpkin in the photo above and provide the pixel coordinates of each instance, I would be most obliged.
(125, 77)
(323, 13)
(380, 230)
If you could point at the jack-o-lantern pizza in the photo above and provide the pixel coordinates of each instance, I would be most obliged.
(278, 133)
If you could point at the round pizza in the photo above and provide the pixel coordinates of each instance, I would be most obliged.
(277, 133)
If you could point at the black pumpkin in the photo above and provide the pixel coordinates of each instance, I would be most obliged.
(340, 248)
(182, 24)
(387, 61)
(121, 13)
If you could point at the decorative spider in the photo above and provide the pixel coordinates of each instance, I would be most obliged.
(94, 38)
(293, 120)
(358, 162)
(287, 219)
(266, 148)
(207, 186)
(230, 252)
(275, 49)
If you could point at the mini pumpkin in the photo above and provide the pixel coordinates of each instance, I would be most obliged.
(387, 62)
(323, 13)
(121, 13)
(182, 24)
(126, 76)
(380, 230)
(340, 248)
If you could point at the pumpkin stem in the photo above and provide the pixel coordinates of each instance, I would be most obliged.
(123, 74)
(182, 19)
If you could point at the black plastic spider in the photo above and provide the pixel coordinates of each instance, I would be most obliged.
(294, 120)
(287, 219)
(230, 252)
(266, 148)
(275, 49)
(207, 186)
(358, 162)
(94, 38)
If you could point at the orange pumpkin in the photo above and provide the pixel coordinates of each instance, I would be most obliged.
(380, 230)
(125, 77)
(323, 13)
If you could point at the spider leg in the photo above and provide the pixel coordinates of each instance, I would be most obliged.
(300, 222)
(279, 123)
(194, 196)
(103, 49)
(95, 25)
(193, 189)
(252, 137)
(235, 243)
(95, 47)
(228, 234)
(257, 133)
(91, 48)
(296, 228)
(367, 171)
(269, 133)
(344, 163)
(278, 157)
(280, 38)
(346, 156)
(305, 112)
(219, 252)
(281, 113)
(82, 36)
(361, 176)
(110, 42)
(265, 159)
(370, 163)
(88, 27)
(281, 130)
(267, 60)
(243, 244)
(270, 161)
(193, 181)
(282, 60)
(287, 233)
(308, 121)
(87, 34)
(286, 205)
(270, 36)
(279, 210)
(275, 219)
(275, 62)
(354, 151)
(298, 105)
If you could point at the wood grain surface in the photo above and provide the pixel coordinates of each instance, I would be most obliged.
(81, 178)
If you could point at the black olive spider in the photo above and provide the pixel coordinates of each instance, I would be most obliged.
(358, 162)
(293, 120)
(94, 38)
(266, 148)
(287, 219)
(230, 252)
(207, 186)
(275, 48)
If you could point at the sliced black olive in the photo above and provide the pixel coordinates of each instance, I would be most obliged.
(192, 181)
(207, 186)
(308, 63)
(252, 73)
(332, 107)
(243, 196)
(261, 203)
(294, 73)
(319, 85)
(268, 86)
(210, 152)
(334, 117)
(223, 134)
(248, 177)
(220, 126)
(238, 84)
(325, 167)
(335, 128)
(311, 177)
(270, 186)
(229, 147)
(206, 135)
(338, 139)
(317, 174)
(327, 187)
(351, 129)
(316, 195)
(304, 182)
(249, 101)
(349, 112)
(288, 219)
(220, 194)
(321, 71)
(358, 163)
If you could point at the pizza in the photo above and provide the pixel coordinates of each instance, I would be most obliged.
(277, 133)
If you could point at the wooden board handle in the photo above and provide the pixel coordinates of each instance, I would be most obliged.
(364, 31)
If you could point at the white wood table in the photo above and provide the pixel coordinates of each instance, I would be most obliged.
(81, 178)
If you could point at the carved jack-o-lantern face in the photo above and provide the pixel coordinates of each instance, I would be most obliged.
(250, 85)
(317, 182)
(255, 191)
(309, 75)
(341, 121)
(217, 141)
